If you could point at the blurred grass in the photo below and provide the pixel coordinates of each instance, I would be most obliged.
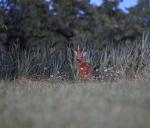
(41, 104)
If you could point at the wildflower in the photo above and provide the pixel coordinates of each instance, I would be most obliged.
(105, 70)
(51, 76)
(45, 68)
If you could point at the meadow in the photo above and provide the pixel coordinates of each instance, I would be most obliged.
(44, 104)
(41, 68)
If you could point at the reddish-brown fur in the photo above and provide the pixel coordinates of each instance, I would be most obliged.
(85, 69)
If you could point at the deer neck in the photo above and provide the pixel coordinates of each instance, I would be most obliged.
(81, 62)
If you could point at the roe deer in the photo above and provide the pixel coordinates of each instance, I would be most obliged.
(85, 69)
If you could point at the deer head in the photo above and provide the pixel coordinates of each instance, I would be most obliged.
(80, 55)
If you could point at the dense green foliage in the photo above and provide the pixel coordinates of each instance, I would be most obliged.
(34, 22)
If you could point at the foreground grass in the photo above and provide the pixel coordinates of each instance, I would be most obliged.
(76, 105)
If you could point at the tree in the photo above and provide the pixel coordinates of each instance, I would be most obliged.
(139, 16)
(109, 23)
(3, 29)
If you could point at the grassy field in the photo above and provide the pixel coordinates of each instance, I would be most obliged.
(27, 104)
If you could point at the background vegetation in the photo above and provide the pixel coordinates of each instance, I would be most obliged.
(37, 37)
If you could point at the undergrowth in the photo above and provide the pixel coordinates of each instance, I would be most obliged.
(45, 62)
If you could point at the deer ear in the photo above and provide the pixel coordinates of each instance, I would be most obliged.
(75, 53)
(84, 54)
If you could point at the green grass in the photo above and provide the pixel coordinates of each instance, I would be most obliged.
(28, 104)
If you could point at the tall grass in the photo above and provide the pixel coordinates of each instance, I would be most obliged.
(129, 60)
(51, 63)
